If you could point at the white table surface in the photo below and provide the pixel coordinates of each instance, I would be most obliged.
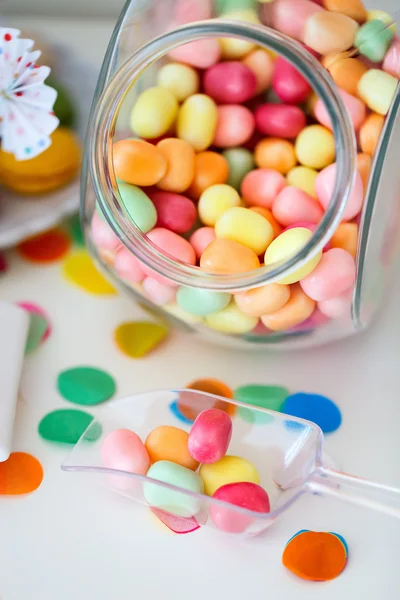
(66, 541)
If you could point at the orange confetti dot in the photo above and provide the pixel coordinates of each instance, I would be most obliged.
(21, 473)
(46, 247)
(316, 556)
(190, 406)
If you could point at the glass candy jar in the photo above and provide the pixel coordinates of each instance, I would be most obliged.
(290, 219)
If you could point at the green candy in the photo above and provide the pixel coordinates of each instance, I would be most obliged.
(63, 107)
(66, 426)
(86, 385)
(176, 503)
(201, 302)
(227, 6)
(373, 40)
(138, 206)
(240, 162)
(270, 397)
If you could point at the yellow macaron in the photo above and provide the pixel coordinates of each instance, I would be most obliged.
(52, 169)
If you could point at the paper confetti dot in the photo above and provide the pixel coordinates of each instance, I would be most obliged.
(270, 397)
(67, 426)
(79, 269)
(21, 473)
(175, 411)
(138, 338)
(76, 231)
(36, 332)
(191, 405)
(176, 524)
(45, 248)
(3, 263)
(313, 407)
(37, 310)
(86, 385)
(316, 556)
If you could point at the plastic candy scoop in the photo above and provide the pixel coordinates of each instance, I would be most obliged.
(287, 452)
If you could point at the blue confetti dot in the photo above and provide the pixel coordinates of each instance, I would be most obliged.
(175, 411)
(341, 538)
(1, 50)
(41, 143)
(313, 407)
(28, 150)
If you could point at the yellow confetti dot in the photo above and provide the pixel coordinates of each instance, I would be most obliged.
(138, 338)
(80, 270)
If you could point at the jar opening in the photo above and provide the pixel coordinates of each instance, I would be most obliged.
(100, 149)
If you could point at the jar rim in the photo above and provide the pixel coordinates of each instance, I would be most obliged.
(100, 141)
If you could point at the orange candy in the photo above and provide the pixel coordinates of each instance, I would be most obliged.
(263, 300)
(351, 8)
(364, 162)
(298, 308)
(190, 405)
(275, 153)
(346, 237)
(262, 64)
(180, 158)
(315, 556)
(370, 132)
(46, 247)
(210, 168)
(170, 443)
(267, 214)
(138, 162)
(346, 72)
(21, 473)
(227, 256)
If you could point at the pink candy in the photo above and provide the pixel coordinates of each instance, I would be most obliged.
(174, 211)
(209, 436)
(102, 234)
(235, 126)
(123, 450)
(288, 84)
(230, 82)
(173, 244)
(201, 238)
(201, 54)
(391, 63)
(280, 120)
(261, 186)
(337, 307)
(244, 494)
(334, 274)
(293, 205)
(128, 266)
(324, 185)
(289, 16)
(157, 292)
(356, 109)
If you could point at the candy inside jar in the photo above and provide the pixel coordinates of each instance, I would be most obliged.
(239, 179)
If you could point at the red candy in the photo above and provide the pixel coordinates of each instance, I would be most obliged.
(288, 84)
(246, 495)
(174, 212)
(210, 436)
(280, 120)
(230, 82)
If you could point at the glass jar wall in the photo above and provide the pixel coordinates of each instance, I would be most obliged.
(239, 174)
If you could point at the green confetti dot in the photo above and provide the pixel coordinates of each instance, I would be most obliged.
(37, 329)
(270, 397)
(67, 426)
(86, 385)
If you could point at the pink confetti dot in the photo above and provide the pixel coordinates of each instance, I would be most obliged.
(20, 131)
(37, 310)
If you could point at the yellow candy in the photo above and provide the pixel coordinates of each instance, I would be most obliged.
(246, 227)
(285, 246)
(154, 112)
(377, 89)
(181, 80)
(303, 178)
(215, 200)
(381, 15)
(230, 469)
(315, 147)
(231, 320)
(197, 121)
(234, 48)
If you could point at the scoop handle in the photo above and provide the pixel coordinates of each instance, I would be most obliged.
(362, 492)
